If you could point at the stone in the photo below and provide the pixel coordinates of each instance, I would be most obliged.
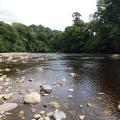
(40, 69)
(70, 96)
(54, 104)
(81, 106)
(100, 93)
(89, 104)
(32, 98)
(7, 69)
(1, 87)
(46, 88)
(6, 83)
(119, 107)
(46, 118)
(72, 74)
(7, 80)
(37, 116)
(21, 113)
(70, 90)
(42, 112)
(7, 107)
(59, 115)
(18, 80)
(41, 118)
(81, 117)
(1, 96)
(50, 114)
(7, 96)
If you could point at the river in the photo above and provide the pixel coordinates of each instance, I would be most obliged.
(96, 85)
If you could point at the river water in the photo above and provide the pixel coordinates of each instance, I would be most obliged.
(94, 74)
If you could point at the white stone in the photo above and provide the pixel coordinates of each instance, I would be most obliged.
(81, 117)
(50, 114)
(37, 116)
(42, 112)
(59, 115)
(7, 107)
(72, 74)
(32, 98)
(70, 90)
(119, 107)
(70, 96)
(46, 118)
(100, 93)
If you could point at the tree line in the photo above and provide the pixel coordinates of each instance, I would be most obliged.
(100, 35)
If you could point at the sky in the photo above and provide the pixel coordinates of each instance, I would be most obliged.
(56, 14)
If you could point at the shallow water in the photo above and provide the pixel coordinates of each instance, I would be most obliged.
(94, 74)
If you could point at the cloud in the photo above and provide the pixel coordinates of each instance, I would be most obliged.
(7, 16)
(56, 14)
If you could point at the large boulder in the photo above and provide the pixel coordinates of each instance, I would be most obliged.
(7, 107)
(32, 98)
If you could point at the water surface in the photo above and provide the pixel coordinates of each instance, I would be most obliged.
(94, 74)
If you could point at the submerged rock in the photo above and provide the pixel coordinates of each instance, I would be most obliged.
(59, 115)
(7, 107)
(54, 104)
(32, 98)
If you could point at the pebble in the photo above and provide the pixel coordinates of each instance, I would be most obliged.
(70, 90)
(70, 96)
(119, 107)
(42, 112)
(7, 96)
(46, 118)
(89, 104)
(72, 74)
(100, 93)
(54, 104)
(81, 117)
(46, 88)
(36, 116)
(81, 106)
(50, 114)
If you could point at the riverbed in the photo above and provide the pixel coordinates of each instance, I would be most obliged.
(95, 85)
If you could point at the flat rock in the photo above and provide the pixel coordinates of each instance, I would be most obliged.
(7, 107)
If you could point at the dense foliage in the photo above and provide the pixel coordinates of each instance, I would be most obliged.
(100, 35)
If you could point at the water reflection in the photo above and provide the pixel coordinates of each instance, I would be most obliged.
(94, 74)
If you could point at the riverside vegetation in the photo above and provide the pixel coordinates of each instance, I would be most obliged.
(100, 35)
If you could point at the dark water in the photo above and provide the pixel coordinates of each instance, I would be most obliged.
(94, 74)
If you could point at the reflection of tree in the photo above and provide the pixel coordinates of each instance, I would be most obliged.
(102, 76)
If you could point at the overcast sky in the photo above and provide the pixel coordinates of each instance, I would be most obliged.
(55, 14)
